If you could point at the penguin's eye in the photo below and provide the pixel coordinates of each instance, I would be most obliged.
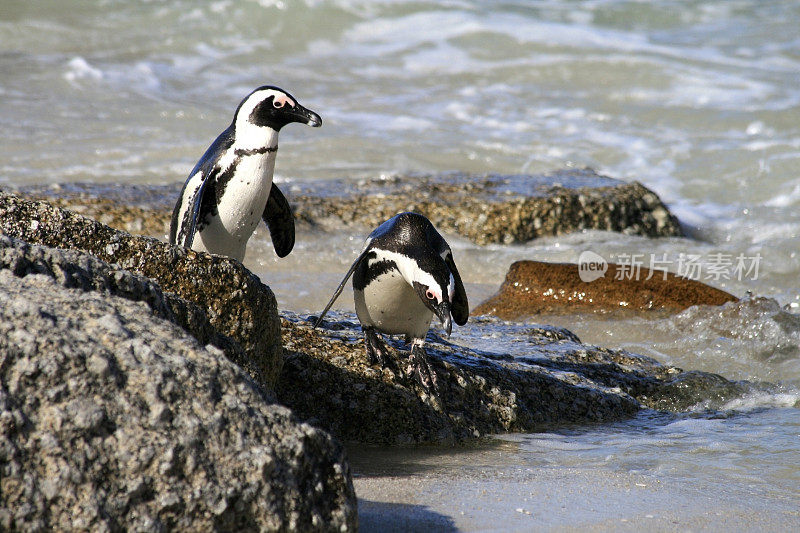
(278, 104)
(429, 294)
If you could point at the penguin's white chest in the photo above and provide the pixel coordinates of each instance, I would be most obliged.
(240, 207)
(390, 305)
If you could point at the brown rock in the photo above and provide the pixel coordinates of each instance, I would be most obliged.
(535, 288)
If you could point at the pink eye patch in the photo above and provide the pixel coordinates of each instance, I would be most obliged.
(279, 101)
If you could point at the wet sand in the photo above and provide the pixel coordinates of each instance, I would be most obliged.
(491, 489)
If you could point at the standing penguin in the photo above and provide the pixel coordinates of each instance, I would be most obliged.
(404, 276)
(231, 188)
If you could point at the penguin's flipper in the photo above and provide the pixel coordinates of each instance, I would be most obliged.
(196, 200)
(182, 231)
(459, 307)
(339, 289)
(280, 221)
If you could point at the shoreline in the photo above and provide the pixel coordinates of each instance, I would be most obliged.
(496, 487)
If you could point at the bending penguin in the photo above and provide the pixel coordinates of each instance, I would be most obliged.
(403, 277)
(231, 189)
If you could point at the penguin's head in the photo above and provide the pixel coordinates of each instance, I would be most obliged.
(435, 286)
(271, 107)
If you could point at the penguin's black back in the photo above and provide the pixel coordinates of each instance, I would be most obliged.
(406, 232)
(205, 165)
(220, 145)
(411, 235)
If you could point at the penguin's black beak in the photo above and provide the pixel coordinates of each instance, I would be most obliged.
(305, 116)
(442, 311)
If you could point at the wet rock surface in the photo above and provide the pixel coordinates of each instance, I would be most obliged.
(235, 301)
(552, 380)
(534, 287)
(112, 418)
(485, 209)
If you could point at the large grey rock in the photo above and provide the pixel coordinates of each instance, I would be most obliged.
(113, 418)
(78, 270)
(235, 301)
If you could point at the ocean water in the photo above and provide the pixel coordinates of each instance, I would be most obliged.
(698, 100)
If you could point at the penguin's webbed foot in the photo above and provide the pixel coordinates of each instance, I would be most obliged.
(419, 366)
(376, 349)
